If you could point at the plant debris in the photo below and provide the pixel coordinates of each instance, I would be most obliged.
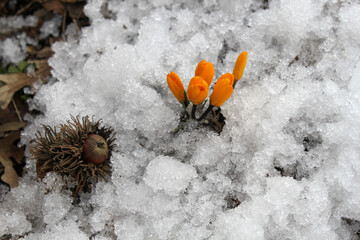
(16, 81)
(14, 78)
(61, 150)
(10, 155)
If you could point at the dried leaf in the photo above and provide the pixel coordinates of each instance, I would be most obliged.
(72, 1)
(217, 120)
(8, 151)
(17, 81)
(59, 6)
(54, 5)
(11, 126)
(10, 176)
(46, 52)
(75, 9)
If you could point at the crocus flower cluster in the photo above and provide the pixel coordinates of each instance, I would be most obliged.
(198, 88)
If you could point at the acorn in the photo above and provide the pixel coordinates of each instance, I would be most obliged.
(95, 149)
(79, 151)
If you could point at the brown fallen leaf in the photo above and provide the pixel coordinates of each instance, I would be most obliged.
(53, 5)
(57, 6)
(10, 176)
(72, 1)
(75, 9)
(16, 81)
(46, 52)
(9, 151)
(10, 126)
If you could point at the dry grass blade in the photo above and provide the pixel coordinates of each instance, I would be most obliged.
(16, 81)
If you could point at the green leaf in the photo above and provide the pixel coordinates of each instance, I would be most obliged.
(22, 65)
(25, 97)
(13, 69)
(2, 70)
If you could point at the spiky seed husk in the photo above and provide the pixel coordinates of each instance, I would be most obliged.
(61, 150)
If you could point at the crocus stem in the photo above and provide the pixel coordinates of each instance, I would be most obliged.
(186, 102)
(185, 109)
(205, 113)
(193, 111)
(234, 84)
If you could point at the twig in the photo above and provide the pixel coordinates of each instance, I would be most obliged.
(64, 22)
(16, 109)
(77, 24)
(24, 8)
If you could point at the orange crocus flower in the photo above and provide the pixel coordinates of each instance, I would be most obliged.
(197, 90)
(205, 70)
(222, 90)
(176, 86)
(240, 66)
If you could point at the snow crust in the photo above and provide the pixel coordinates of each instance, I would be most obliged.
(170, 175)
(286, 165)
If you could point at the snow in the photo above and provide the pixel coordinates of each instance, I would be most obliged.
(16, 22)
(168, 174)
(285, 166)
(13, 50)
(50, 27)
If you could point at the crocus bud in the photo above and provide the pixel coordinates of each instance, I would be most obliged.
(176, 86)
(197, 90)
(240, 66)
(222, 90)
(205, 70)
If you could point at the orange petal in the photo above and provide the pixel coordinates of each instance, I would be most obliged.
(240, 66)
(197, 90)
(205, 70)
(176, 86)
(223, 90)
